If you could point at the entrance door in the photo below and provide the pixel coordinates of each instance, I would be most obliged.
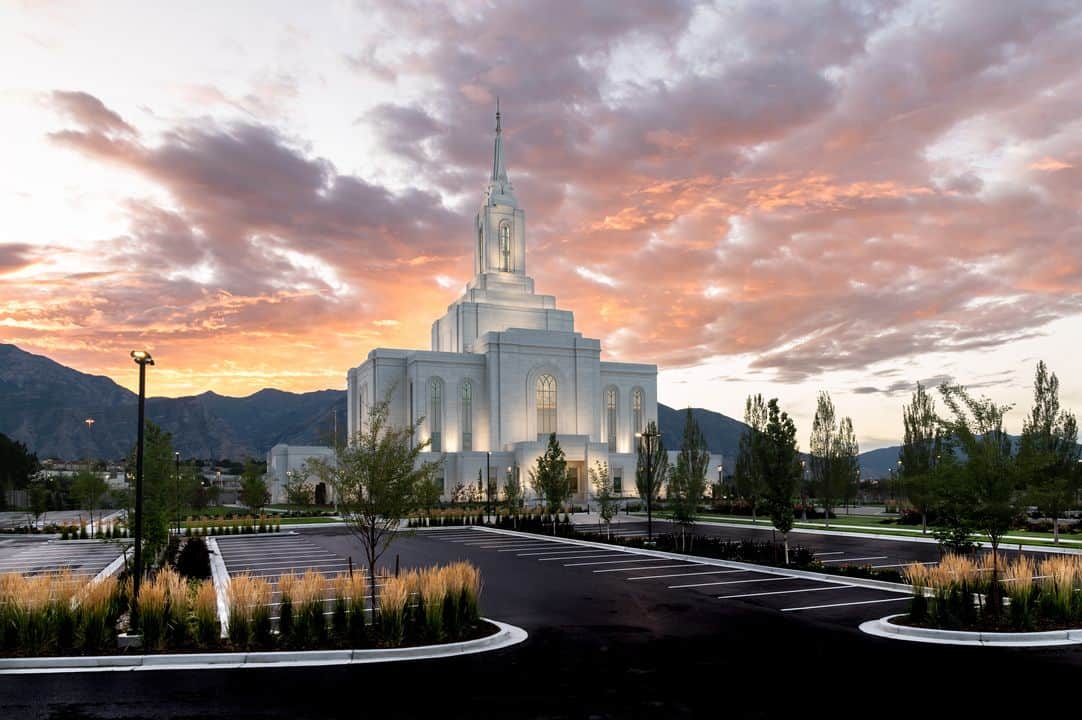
(321, 494)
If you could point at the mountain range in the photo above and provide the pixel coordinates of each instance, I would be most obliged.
(45, 404)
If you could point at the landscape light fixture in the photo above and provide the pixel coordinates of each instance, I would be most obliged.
(141, 358)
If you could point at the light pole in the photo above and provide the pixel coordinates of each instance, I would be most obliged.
(142, 359)
(648, 438)
(176, 458)
(90, 426)
(488, 483)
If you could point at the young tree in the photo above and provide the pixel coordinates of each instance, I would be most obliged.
(18, 466)
(849, 460)
(378, 478)
(298, 490)
(748, 476)
(607, 502)
(159, 487)
(89, 487)
(549, 478)
(989, 471)
(1048, 453)
(512, 493)
(428, 494)
(687, 481)
(922, 450)
(253, 489)
(650, 471)
(780, 462)
(37, 501)
(824, 446)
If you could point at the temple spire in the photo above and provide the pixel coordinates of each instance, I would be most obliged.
(499, 165)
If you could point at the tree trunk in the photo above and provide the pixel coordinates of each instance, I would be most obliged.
(993, 599)
(923, 523)
(785, 539)
(826, 512)
(1055, 528)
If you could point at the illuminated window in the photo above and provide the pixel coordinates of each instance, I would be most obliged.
(610, 418)
(467, 416)
(617, 480)
(435, 414)
(505, 247)
(546, 405)
(636, 410)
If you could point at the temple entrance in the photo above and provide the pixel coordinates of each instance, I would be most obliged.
(321, 494)
(576, 480)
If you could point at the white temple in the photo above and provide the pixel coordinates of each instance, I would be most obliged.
(506, 369)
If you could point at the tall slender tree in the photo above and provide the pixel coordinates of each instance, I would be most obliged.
(650, 471)
(1048, 452)
(549, 478)
(748, 476)
(989, 471)
(921, 452)
(848, 459)
(832, 454)
(780, 461)
(687, 481)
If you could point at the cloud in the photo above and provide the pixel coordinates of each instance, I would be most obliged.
(90, 112)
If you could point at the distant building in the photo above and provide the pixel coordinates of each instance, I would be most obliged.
(281, 459)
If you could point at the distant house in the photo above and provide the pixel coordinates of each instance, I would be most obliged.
(281, 459)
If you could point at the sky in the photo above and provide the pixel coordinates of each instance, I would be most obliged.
(760, 197)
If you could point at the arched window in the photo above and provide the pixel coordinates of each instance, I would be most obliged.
(435, 414)
(480, 250)
(546, 405)
(636, 410)
(505, 247)
(467, 416)
(610, 417)
(362, 410)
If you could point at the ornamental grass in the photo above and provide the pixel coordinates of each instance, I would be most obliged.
(1039, 595)
(287, 585)
(311, 623)
(242, 598)
(205, 609)
(153, 620)
(342, 588)
(357, 589)
(392, 610)
(98, 605)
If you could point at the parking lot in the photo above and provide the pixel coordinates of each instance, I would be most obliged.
(706, 581)
(33, 556)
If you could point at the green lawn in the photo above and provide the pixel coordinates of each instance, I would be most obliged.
(307, 520)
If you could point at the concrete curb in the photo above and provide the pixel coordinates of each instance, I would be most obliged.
(885, 629)
(220, 575)
(506, 636)
(770, 570)
(112, 568)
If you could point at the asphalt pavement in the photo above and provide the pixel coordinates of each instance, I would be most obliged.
(612, 634)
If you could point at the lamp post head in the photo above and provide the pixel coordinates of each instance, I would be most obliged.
(89, 422)
(142, 357)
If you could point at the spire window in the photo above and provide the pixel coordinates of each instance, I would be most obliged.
(505, 247)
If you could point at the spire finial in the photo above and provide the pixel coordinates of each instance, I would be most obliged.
(497, 113)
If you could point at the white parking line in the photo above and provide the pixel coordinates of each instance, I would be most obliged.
(784, 592)
(875, 557)
(582, 557)
(533, 546)
(272, 563)
(514, 546)
(711, 572)
(876, 567)
(557, 552)
(609, 562)
(839, 552)
(493, 541)
(299, 553)
(735, 582)
(652, 567)
(862, 602)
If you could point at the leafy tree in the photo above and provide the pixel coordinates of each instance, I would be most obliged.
(89, 487)
(849, 460)
(825, 460)
(253, 489)
(17, 467)
(607, 502)
(512, 492)
(299, 491)
(459, 493)
(989, 472)
(1048, 453)
(780, 462)
(921, 453)
(378, 478)
(748, 476)
(651, 469)
(159, 487)
(687, 481)
(428, 493)
(37, 501)
(549, 479)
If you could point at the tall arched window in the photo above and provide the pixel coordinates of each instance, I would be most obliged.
(480, 250)
(435, 414)
(610, 417)
(467, 416)
(546, 405)
(505, 247)
(362, 410)
(636, 410)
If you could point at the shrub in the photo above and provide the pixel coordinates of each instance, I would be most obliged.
(205, 608)
(310, 617)
(357, 593)
(193, 560)
(241, 599)
(261, 617)
(177, 605)
(433, 592)
(340, 616)
(98, 605)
